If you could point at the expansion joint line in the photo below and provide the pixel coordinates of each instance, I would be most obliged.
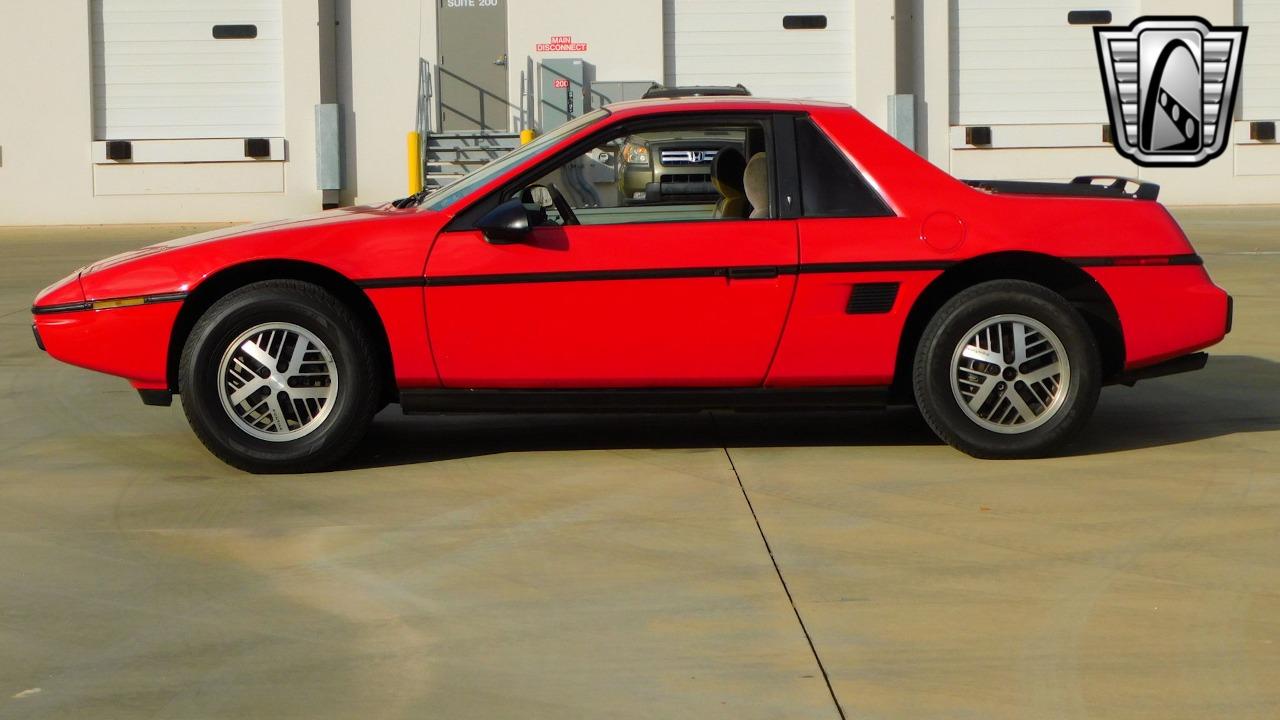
(778, 569)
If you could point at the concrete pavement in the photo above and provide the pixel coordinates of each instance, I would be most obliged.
(570, 566)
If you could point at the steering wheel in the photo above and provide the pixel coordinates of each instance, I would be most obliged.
(567, 216)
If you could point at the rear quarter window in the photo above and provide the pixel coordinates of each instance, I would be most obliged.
(830, 186)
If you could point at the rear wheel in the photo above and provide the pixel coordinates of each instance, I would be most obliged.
(279, 376)
(1007, 369)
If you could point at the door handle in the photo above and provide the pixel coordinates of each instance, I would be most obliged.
(753, 273)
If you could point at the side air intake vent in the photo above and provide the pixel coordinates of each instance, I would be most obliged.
(872, 298)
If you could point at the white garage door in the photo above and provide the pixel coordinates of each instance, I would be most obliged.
(726, 42)
(161, 73)
(1020, 62)
(1261, 80)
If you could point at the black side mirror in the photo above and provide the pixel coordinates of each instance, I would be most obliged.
(510, 222)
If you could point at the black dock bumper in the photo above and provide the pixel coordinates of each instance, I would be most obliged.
(1186, 363)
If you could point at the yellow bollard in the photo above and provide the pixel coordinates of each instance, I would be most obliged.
(526, 137)
(415, 162)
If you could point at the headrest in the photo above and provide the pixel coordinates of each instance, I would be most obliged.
(726, 172)
(755, 180)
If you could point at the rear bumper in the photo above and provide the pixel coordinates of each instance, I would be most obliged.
(1165, 312)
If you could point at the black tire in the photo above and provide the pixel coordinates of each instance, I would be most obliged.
(358, 384)
(941, 405)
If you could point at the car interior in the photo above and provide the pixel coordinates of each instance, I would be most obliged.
(668, 174)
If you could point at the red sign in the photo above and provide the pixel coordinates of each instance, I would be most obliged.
(560, 43)
(559, 83)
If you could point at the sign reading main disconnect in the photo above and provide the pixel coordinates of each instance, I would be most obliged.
(560, 43)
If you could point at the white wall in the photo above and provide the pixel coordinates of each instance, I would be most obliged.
(47, 170)
(624, 40)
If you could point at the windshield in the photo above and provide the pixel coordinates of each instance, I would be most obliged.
(463, 186)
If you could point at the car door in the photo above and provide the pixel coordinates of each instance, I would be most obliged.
(623, 302)
(657, 305)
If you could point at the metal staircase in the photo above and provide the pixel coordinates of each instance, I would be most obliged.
(452, 154)
(447, 155)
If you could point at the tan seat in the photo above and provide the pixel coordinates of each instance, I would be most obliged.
(726, 175)
(755, 181)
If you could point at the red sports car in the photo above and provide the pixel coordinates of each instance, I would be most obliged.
(832, 267)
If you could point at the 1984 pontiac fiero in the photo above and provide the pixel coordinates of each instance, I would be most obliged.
(831, 267)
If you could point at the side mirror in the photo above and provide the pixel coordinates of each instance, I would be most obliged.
(510, 222)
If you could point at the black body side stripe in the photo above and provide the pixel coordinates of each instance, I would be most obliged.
(164, 298)
(88, 304)
(585, 275)
(391, 282)
(737, 271)
(741, 271)
(888, 266)
(1137, 260)
(747, 271)
(63, 308)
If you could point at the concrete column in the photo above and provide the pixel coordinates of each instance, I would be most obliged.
(378, 49)
(874, 63)
(932, 79)
(303, 89)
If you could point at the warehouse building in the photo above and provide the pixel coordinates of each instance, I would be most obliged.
(223, 110)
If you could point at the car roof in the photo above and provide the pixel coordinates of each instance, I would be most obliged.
(674, 91)
(643, 107)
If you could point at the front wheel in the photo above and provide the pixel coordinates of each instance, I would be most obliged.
(279, 376)
(1007, 369)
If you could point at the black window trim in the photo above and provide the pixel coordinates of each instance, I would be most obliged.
(786, 168)
(466, 219)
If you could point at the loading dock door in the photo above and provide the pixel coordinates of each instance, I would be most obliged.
(1260, 91)
(472, 37)
(167, 70)
(725, 42)
(1023, 63)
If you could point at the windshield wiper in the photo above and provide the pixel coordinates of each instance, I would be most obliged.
(413, 200)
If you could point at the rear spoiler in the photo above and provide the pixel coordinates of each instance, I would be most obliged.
(1112, 186)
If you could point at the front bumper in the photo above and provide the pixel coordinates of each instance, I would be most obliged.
(655, 185)
(131, 342)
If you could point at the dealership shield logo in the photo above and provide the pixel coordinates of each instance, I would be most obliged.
(1170, 84)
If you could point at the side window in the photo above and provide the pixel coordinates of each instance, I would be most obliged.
(697, 171)
(830, 186)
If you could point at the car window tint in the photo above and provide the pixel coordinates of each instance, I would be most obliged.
(830, 186)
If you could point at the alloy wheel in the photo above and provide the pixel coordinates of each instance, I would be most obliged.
(1010, 374)
(277, 381)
